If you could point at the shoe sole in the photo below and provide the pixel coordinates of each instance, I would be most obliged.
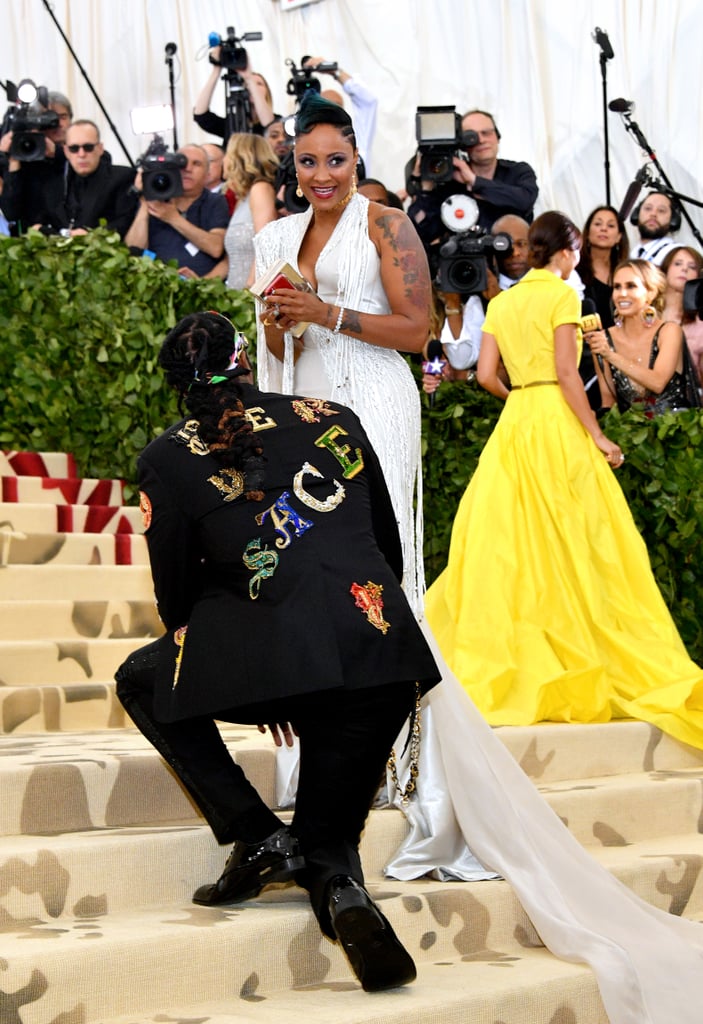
(281, 872)
(374, 951)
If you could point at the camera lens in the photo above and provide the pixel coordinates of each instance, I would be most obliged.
(160, 183)
(28, 146)
(439, 167)
(465, 276)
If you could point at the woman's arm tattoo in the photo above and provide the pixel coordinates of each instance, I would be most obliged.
(404, 241)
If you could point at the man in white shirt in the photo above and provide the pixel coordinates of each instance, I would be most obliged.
(656, 220)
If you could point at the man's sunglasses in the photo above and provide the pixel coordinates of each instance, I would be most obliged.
(87, 146)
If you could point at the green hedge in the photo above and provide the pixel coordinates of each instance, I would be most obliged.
(81, 322)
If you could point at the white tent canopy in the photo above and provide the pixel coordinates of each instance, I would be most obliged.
(532, 63)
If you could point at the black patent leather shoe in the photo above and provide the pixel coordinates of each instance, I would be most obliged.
(251, 866)
(373, 950)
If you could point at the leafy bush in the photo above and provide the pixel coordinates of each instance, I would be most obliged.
(81, 323)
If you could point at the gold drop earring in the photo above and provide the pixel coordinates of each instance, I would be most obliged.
(299, 191)
(649, 315)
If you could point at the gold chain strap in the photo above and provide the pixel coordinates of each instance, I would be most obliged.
(414, 768)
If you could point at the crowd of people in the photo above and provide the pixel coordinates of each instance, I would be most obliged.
(547, 610)
(76, 187)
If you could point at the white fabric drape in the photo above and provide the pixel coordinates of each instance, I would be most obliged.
(648, 964)
(530, 62)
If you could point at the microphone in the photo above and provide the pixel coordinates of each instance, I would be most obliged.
(591, 321)
(601, 37)
(435, 363)
(621, 106)
(633, 191)
(170, 50)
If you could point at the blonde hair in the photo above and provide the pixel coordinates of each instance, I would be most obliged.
(248, 158)
(651, 277)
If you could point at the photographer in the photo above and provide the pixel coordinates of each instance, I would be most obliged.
(364, 103)
(93, 190)
(258, 92)
(498, 186)
(277, 137)
(190, 227)
(464, 314)
(30, 185)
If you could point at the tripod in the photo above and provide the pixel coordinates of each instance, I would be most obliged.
(237, 104)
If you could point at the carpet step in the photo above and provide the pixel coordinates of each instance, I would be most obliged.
(622, 809)
(551, 751)
(608, 811)
(89, 706)
(128, 868)
(90, 619)
(531, 988)
(61, 491)
(40, 517)
(73, 782)
(73, 549)
(56, 464)
(61, 662)
(183, 954)
(82, 582)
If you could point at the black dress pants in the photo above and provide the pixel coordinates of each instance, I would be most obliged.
(345, 739)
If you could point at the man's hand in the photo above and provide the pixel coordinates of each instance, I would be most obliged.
(166, 211)
(463, 172)
(280, 731)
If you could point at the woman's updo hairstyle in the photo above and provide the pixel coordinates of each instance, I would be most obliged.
(550, 233)
(315, 110)
(197, 356)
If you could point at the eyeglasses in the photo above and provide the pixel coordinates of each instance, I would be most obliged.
(87, 146)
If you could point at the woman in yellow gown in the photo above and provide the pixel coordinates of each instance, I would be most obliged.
(548, 609)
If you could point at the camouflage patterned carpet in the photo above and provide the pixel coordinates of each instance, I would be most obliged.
(100, 849)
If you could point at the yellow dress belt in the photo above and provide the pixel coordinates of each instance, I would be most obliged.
(533, 384)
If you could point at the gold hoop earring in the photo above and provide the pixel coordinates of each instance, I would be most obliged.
(649, 315)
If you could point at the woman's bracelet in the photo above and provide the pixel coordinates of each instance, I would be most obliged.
(340, 317)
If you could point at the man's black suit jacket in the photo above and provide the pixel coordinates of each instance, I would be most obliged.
(293, 594)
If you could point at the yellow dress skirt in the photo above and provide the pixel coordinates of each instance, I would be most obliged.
(548, 609)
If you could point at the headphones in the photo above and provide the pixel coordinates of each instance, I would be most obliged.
(485, 113)
(675, 222)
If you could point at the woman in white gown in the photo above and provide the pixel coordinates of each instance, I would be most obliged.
(372, 293)
(372, 296)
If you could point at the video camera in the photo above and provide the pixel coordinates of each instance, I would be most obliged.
(439, 138)
(302, 79)
(28, 123)
(464, 257)
(161, 171)
(233, 56)
(693, 297)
